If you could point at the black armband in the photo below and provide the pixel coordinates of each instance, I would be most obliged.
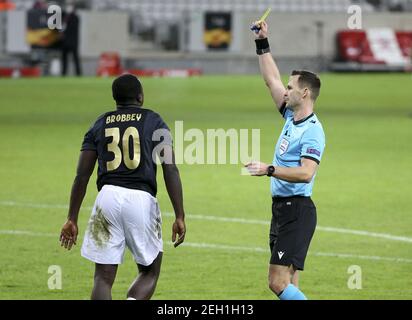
(262, 46)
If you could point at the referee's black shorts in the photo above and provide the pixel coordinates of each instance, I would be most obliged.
(291, 230)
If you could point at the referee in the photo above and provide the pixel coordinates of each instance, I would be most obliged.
(292, 173)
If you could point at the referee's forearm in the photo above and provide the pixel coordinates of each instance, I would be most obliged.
(268, 68)
(294, 175)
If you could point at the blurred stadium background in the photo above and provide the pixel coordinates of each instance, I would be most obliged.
(212, 36)
(198, 64)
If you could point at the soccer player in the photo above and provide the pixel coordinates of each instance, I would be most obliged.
(297, 155)
(125, 143)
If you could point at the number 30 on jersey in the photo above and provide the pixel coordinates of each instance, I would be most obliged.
(115, 148)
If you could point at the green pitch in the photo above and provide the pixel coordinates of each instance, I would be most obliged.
(362, 192)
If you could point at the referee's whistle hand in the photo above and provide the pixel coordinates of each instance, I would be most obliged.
(257, 168)
(260, 29)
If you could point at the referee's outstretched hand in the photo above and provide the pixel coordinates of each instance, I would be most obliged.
(263, 32)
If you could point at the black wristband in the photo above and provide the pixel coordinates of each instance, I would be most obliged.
(262, 46)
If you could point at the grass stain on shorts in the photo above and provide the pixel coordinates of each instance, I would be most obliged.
(99, 228)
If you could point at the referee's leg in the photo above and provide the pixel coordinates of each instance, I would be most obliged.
(279, 277)
(295, 279)
(280, 282)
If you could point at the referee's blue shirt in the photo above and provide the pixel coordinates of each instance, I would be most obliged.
(299, 139)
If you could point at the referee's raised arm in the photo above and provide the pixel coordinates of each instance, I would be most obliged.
(268, 67)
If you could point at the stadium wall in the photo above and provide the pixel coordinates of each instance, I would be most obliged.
(104, 31)
(3, 22)
(296, 34)
(295, 40)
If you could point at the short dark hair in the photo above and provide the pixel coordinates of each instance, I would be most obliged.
(310, 80)
(126, 87)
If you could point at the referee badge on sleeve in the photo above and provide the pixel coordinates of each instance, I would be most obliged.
(283, 146)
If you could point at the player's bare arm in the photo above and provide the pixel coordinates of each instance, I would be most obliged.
(301, 174)
(269, 69)
(85, 167)
(174, 188)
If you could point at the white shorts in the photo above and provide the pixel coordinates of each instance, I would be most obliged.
(123, 217)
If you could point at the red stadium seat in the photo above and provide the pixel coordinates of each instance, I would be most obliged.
(109, 65)
(6, 5)
(405, 42)
(353, 46)
(350, 44)
(24, 72)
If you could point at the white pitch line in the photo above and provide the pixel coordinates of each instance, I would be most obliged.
(230, 248)
(363, 257)
(224, 247)
(28, 233)
(228, 219)
(365, 233)
(38, 205)
(319, 254)
(221, 219)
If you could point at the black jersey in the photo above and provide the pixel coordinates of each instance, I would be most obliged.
(124, 145)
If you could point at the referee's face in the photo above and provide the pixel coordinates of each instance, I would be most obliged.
(294, 94)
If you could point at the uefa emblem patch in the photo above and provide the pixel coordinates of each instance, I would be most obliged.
(283, 146)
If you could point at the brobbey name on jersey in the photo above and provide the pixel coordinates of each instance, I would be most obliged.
(124, 117)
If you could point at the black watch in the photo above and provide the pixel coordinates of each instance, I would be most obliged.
(271, 170)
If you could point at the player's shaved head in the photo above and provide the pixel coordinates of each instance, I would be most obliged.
(127, 89)
(310, 80)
